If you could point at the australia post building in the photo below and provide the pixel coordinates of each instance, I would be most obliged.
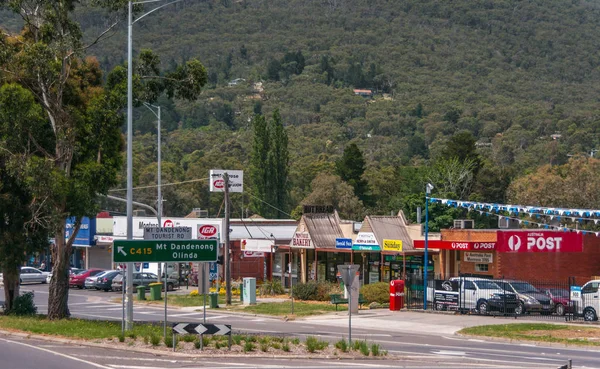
(527, 254)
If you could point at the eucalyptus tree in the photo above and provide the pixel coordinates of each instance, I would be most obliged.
(82, 116)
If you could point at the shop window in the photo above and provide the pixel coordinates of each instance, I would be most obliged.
(481, 267)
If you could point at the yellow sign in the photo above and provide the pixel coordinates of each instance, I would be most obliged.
(392, 245)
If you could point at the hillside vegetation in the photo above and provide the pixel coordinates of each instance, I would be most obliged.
(521, 76)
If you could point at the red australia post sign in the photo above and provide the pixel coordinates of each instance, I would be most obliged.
(455, 245)
(539, 241)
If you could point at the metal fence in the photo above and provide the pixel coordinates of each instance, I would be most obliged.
(467, 294)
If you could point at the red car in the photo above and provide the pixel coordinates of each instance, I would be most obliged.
(78, 280)
(560, 298)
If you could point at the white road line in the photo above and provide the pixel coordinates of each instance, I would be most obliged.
(448, 353)
(178, 315)
(56, 353)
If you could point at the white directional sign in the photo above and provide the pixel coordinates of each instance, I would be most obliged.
(196, 328)
(167, 233)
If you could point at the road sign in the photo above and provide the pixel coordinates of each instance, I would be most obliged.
(167, 233)
(343, 243)
(347, 273)
(129, 251)
(195, 328)
(217, 183)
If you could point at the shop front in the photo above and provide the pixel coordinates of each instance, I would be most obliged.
(84, 239)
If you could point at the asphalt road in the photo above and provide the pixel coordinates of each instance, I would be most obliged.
(420, 339)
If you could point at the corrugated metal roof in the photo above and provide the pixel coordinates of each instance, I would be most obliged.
(390, 228)
(323, 229)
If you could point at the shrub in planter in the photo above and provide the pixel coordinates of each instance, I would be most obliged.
(376, 292)
(305, 291)
(270, 288)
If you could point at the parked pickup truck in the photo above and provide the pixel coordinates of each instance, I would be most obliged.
(588, 300)
(472, 294)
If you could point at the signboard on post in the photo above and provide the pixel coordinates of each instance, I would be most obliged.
(217, 183)
(130, 251)
(167, 233)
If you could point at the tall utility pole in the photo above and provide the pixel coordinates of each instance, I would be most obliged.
(226, 260)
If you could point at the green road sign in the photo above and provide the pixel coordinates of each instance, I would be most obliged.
(159, 251)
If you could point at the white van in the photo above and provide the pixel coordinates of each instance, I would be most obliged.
(588, 301)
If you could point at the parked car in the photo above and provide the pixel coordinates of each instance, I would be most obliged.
(142, 279)
(90, 282)
(104, 280)
(72, 271)
(560, 298)
(78, 280)
(30, 275)
(484, 296)
(530, 298)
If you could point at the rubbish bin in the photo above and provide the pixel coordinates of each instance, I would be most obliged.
(241, 292)
(396, 295)
(141, 293)
(155, 291)
(214, 300)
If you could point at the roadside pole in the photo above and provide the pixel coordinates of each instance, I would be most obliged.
(226, 240)
(166, 289)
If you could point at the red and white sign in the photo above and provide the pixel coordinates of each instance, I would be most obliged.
(539, 241)
(253, 254)
(217, 183)
(455, 245)
(207, 231)
(302, 240)
(168, 223)
(257, 245)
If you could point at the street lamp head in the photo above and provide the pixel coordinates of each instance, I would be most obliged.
(428, 188)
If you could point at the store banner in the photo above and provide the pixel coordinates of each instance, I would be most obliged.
(539, 241)
(366, 241)
(257, 245)
(392, 245)
(302, 240)
(455, 245)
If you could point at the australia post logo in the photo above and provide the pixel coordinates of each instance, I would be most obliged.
(540, 242)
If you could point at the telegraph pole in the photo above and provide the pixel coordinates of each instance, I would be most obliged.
(226, 258)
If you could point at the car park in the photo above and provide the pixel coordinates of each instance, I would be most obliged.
(78, 280)
(561, 300)
(104, 281)
(90, 282)
(472, 294)
(142, 279)
(72, 271)
(530, 298)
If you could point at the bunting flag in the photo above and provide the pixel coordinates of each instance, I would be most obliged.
(531, 211)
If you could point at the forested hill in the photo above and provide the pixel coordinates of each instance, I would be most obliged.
(522, 76)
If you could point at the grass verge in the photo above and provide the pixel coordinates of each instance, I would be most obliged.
(285, 308)
(75, 328)
(540, 332)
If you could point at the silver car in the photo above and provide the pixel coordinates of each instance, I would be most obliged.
(32, 275)
(90, 282)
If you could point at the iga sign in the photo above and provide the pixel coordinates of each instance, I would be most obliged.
(455, 245)
(207, 231)
(539, 241)
(217, 183)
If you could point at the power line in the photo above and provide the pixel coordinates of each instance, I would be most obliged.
(276, 208)
(163, 185)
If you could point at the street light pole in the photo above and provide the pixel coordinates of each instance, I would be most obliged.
(428, 189)
(130, 22)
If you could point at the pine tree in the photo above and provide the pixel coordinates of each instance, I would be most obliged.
(351, 168)
(278, 160)
(259, 170)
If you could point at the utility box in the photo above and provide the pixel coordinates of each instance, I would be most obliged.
(396, 295)
(249, 291)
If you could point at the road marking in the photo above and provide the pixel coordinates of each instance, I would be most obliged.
(178, 315)
(448, 353)
(56, 353)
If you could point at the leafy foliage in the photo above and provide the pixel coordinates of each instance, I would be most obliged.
(376, 292)
(23, 305)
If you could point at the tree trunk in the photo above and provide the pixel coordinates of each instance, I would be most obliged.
(11, 286)
(58, 292)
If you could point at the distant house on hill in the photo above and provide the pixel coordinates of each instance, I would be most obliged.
(235, 82)
(363, 93)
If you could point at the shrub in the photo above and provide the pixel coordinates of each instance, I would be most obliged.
(376, 292)
(154, 340)
(264, 347)
(342, 345)
(237, 339)
(375, 349)
(306, 291)
(121, 338)
(189, 338)
(270, 288)
(23, 305)
(324, 289)
(296, 341)
(197, 344)
(131, 335)
(194, 293)
(146, 339)
(313, 344)
(364, 348)
(205, 340)
(169, 340)
(248, 346)
(285, 346)
(276, 345)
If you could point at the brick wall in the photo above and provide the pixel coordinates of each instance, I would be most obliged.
(553, 266)
(245, 267)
